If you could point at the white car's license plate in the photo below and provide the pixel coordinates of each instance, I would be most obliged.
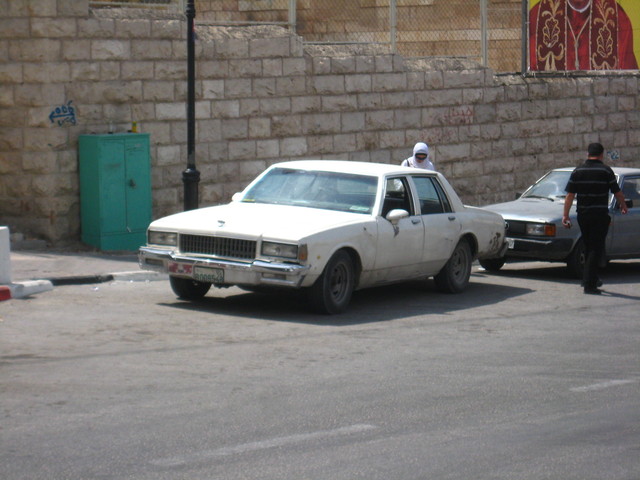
(510, 243)
(206, 274)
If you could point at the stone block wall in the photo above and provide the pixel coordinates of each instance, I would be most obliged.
(263, 97)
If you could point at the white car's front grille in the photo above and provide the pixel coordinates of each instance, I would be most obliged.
(218, 246)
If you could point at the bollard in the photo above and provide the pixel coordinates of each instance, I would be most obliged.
(8, 289)
(5, 256)
(5, 264)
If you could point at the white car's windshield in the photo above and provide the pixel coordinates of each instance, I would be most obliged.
(326, 190)
(550, 186)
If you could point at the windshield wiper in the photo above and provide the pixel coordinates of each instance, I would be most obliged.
(539, 196)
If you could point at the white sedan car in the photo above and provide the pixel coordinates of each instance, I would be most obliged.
(329, 227)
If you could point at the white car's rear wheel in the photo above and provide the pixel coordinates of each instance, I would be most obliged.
(454, 276)
(188, 289)
(331, 293)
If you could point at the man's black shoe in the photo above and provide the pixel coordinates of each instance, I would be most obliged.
(592, 291)
(598, 283)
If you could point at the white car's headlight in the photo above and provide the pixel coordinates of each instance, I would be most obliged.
(541, 229)
(283, 250)
(163, 238)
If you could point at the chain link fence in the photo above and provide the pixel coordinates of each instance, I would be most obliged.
(173, 5)
(505, 24)
(488, 31)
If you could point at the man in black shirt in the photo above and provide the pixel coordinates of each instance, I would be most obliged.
(591, 182)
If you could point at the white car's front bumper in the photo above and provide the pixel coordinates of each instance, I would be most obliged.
(222, 272)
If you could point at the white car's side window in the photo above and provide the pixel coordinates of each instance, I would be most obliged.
(397, 196)
(431, 196)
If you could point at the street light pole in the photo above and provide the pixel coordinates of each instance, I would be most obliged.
(524, 52)
(191, 176)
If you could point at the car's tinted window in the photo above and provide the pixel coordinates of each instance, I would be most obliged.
(631, 190)
(397, 196)
(325, 190)
(431, 196)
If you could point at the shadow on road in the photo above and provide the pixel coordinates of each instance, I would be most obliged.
(616, 273)
(606, 293)
(371, 305)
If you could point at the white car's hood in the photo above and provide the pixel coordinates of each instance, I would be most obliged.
(249, 220)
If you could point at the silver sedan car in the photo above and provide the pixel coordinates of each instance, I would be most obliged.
(534, 223)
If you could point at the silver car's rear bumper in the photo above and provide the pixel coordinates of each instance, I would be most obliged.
(256, 272)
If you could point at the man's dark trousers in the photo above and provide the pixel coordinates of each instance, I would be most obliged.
(594, 228)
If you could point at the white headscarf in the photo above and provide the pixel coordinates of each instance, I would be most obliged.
(426, 164)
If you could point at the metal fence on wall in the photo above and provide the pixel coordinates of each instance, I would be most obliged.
(488, 31)
(134, 3)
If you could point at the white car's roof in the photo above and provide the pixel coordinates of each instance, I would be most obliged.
(345, 166)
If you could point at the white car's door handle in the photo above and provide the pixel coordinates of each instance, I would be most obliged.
(415, 221)
(452, 218)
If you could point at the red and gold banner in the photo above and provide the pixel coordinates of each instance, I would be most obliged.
(583, 35)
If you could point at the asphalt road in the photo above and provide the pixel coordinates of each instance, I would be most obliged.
(520, 377)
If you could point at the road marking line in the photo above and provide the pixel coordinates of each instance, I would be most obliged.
(602, 385)
(262, 445)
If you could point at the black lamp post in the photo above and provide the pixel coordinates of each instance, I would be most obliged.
(191, 176)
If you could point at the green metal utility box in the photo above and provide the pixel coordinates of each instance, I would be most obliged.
(115, 190)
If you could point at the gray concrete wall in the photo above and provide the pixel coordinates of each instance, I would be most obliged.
(262, 97)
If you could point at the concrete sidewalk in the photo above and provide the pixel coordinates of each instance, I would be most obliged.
(65, 268)
(36, 271)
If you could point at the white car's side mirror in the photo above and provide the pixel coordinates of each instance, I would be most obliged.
(395, 215)
(237, 197)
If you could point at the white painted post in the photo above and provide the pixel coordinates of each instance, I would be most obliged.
(5, 256)
(293, 16)
(393, 24)
(484, 33)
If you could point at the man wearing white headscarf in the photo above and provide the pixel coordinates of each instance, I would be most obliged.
(420, 158)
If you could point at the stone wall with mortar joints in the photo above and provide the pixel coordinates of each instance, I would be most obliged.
(263, 97)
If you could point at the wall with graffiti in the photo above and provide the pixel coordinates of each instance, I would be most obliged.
(263, 96)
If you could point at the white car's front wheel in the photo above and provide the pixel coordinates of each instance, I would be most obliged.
(454, 276)
(331, 293)
(188, 289)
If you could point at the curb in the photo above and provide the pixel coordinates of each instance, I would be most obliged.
(133, 276)
(31, 287)
(5, 293)
(140, 276)
(24, 289)
(80, 280)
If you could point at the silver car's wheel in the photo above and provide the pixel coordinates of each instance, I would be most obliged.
(189, 289)
(454, 276)
(331, 293)
(576, 260)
